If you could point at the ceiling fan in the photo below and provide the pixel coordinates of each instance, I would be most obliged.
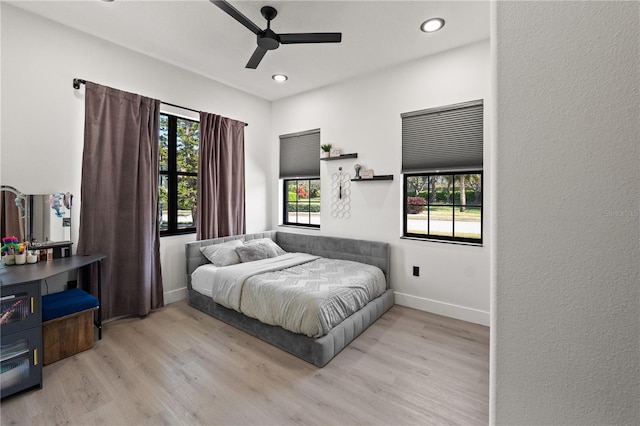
(269, 40)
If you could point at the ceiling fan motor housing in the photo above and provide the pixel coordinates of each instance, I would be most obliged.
(268, 40)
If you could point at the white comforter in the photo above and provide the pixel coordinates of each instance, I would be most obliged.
(301, 293)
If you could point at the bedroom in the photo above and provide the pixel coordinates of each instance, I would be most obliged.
(58, 54)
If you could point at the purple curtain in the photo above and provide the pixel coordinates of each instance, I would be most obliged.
(119, 198)
(221, 203)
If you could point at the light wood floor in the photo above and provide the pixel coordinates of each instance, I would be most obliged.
(179, 366)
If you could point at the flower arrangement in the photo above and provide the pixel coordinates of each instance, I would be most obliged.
(10, 245)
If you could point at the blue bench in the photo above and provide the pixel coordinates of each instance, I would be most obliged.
(61, 304)
(67, 323)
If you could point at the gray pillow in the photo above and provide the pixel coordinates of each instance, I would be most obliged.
(253, 252)
(223, 254)
(269, 245)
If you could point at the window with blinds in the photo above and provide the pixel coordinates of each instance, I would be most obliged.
(442, 164)
(444, 138)
(300, 172)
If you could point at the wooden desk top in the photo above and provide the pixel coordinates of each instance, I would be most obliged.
(16, 274)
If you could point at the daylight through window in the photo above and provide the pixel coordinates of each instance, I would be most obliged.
(303, 202)
(178, 180)
(444, 206)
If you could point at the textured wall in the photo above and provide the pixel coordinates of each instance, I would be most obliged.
(566, 312)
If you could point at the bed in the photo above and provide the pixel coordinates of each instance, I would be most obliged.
(334, 337)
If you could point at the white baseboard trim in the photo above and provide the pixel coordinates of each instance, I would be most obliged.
(175, 295)
(442, 308)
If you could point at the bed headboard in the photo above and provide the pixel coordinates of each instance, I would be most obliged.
(371, 252)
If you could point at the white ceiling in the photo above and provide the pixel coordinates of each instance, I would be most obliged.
(198, 36)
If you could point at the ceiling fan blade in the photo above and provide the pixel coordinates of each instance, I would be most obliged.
(235, 14)
(255, 59)
(310, 38)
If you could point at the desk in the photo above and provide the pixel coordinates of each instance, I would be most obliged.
(18, 274)
(22, 332)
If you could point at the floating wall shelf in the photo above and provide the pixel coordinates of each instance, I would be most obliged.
(341, 157)
(378, 177)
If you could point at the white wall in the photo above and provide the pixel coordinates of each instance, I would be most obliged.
(363, 116)
(43, 116)
(566, 274)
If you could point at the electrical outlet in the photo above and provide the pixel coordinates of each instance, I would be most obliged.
(416, 271)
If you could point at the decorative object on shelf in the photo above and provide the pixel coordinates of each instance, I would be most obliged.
(366, 174)
(325, 150)
(335, 152)
(357, 167)
(340, 195)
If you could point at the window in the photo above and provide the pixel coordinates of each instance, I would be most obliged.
(178, 180)
(442, 151)
(444, 206)
(300, 171)
(303, 202)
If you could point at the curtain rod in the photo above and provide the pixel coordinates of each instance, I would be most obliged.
(78, 81)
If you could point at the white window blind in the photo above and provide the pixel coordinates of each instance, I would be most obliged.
(443, 139)
(300, 155)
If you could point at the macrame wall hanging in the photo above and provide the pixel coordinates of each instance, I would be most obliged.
(340, 195)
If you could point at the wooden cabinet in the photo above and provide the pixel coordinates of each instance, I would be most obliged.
(20, 338)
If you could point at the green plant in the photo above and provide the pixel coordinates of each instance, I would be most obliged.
(303, 208)
(326, 147)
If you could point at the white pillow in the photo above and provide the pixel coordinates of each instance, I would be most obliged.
(223, 254)
(269, 245)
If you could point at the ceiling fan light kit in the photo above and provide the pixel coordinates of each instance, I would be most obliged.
(267, 39)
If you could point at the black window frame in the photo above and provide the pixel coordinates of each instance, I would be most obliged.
(443, 238)
(285, 206)
(173, 176)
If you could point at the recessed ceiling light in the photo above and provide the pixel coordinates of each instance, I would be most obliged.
(432, 25)
(279, 77)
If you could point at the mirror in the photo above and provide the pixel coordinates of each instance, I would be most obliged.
(38, 218)
(49, 217)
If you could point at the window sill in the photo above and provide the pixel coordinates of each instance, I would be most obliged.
(176, 233)
(433, 240)
(311, 228)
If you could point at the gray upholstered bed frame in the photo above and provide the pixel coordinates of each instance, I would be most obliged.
(317, 351)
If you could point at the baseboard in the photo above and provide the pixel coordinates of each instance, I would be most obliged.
(441, 308)
(175, 295)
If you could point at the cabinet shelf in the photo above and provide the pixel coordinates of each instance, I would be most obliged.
(341, 157)
(376, 177)
(14, 350)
